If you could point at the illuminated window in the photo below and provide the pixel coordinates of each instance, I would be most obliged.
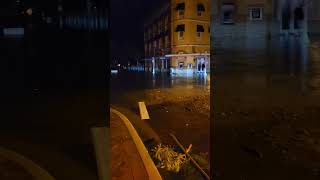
(200, 9)
(255, 13)
(180, 29)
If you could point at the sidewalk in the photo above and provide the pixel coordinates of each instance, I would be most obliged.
(10, 170)
(125, 163)
(14, 166)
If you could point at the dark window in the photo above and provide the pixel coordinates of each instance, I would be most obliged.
(298, 18)
(181, 65)
(286, 17)
(180, 7)
(200, 28)
(256, 13)
(180, 28)
(227, 13)
(200, 7)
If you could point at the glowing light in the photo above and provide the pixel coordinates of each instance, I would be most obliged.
(114, 71)
(29, 12)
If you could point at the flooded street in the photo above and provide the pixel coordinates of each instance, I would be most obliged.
(266, 109)
(178, 105)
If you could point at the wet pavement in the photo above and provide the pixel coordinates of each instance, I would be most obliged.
(178, 105)
(265, 94)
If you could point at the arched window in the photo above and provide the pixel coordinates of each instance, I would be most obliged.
(200, 9)
(200, 29)
(180, 8)
(180, 29)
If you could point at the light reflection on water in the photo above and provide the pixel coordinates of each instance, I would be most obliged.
(289, 64)
(129, 81)
(132, 80)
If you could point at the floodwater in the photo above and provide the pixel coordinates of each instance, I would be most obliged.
(126, 81)
(170, 101)
(255, 81)
(273, 60)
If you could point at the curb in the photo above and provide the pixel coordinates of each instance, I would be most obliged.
(145, 131)
(101, 139)
(151, 169)
(36, 171)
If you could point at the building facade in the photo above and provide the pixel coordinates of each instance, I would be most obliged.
(252, 19)
(177, 38)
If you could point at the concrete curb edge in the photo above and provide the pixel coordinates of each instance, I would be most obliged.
(151, 168)
(35, 170)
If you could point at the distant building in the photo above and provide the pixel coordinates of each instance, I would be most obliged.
(177, 38)
(236, 19)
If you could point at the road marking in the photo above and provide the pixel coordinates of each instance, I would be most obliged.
(143, 111)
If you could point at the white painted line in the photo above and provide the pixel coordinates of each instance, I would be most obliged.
(143, 111)
(101, 146)
(151, 168)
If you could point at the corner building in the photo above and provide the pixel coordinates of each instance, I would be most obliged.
(177, 38)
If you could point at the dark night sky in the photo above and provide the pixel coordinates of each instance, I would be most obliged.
(127, 18)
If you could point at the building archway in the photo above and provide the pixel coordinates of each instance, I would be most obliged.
(293, 17)
(201, 65)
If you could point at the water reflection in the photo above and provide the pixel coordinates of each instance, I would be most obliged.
(126, 81)
(287, 63)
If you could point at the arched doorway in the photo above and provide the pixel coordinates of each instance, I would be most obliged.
(293, 16)
(201, 65)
